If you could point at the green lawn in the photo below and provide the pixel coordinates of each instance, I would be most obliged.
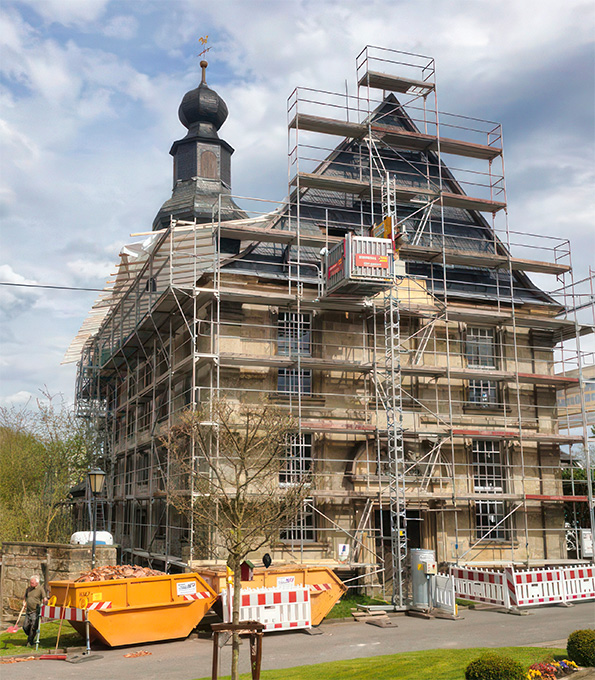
(14, 643)
(433, 664)
(344, 606)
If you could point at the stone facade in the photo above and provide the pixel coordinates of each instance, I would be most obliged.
(49, 561)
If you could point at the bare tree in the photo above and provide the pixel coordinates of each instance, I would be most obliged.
(228, 459)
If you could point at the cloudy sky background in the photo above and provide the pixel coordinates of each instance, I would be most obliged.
(89, 94)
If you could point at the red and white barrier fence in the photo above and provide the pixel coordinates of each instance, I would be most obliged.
(579, 583)
(278, 608)
(443, 594)
(64, 613)
(526, 588)
(480, 585)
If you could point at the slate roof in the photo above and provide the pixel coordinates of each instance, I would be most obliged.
(464, 230)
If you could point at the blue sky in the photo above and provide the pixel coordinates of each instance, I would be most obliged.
(89, 92)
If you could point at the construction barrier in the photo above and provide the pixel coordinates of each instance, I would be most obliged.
(277, 608)
(75, 615)
(443, 594)
(579, 583)
(525, 588)
(480, 585)
(64, 613)
(538, 586)
(326, 588)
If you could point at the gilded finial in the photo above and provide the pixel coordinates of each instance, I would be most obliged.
(203, 63)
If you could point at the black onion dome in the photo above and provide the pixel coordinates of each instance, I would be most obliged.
(202, 110)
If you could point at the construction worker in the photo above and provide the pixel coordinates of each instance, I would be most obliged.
(34, 597)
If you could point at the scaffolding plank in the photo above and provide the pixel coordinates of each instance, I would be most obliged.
(347, 185)
(405, 193)
(386, 81)
(397, 137)
(502, 435)
(406, 250)
(562, 499)
(469, 203)
(331, 183)
(477, 259)
(329, 126)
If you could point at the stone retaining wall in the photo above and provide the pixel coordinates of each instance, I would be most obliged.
(49, 561)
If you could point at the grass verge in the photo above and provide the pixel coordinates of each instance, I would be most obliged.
(344, 606)
(14, 643)
(431, 664)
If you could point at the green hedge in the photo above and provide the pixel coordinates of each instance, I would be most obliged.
(492, 666)
(581, 647)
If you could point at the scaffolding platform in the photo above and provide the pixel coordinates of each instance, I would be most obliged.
(394, 136)
(392, 83)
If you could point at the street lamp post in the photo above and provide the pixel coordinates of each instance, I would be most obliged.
(96, 479)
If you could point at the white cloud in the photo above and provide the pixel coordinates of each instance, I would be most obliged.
(124, 27)
(20, 398)
(68, 11)
(88, 270)
(15, 300)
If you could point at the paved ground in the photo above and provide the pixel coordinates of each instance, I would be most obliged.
(342, 640)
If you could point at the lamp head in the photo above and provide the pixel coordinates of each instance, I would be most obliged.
(96, 480)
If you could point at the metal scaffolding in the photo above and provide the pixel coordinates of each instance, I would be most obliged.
(426, 406)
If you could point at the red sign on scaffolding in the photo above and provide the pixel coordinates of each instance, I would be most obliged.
(362, 260)
(334, 268)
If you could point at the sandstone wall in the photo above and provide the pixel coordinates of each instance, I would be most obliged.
(49, 561)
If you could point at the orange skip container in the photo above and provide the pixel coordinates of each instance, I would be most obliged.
(136, 610)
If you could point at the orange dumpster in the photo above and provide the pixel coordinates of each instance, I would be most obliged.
(135, 610)
(326, 588)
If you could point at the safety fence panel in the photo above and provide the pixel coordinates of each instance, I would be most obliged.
(443, 595)
(579, 583)
(480, 585)
(64, 613)
(277, 608)
(527, 587)
(537, 586)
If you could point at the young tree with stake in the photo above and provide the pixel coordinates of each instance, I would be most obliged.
(227, 459)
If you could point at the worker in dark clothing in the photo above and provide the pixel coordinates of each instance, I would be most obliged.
(34, 597)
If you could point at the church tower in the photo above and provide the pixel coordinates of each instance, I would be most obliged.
(202, 162)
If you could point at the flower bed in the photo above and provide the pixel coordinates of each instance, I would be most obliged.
(551, 670)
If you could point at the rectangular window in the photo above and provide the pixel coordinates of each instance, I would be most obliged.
(298, 462)
(480, 347)
(303, 528)
(480, 351)
(292, 381)
(483, 393)
(489, 479)
(294, 334)
(142, 469)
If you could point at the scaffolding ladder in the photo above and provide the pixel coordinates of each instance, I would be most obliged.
(389, 391)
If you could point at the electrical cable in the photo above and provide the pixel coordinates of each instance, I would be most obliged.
(40, 285)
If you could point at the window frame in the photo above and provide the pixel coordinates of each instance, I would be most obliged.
(298, 461)
(303, 528)
(293, 381)
(480, 352)
(489, 477)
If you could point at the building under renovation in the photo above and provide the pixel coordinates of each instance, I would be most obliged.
(386, 304)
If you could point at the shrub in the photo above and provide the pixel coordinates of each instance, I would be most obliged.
(492, 666)
(581, 647)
